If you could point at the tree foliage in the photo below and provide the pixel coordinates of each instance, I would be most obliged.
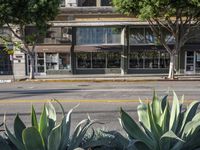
(17, 14)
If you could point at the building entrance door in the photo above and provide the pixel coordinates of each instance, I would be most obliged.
(190, 62)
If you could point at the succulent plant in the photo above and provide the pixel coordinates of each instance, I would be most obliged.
(163, 127)
(47, 134)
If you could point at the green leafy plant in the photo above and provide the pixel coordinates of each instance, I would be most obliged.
(163, 126)
(47, 134)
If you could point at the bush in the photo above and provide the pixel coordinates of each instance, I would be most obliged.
(162, 127)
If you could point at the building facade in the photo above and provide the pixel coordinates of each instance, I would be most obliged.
(89, 37)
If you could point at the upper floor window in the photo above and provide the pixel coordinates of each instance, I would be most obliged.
(85, 3)
(142, 35)
(98, 35)
(54, 35)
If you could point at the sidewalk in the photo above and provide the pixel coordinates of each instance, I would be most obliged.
(101, 78)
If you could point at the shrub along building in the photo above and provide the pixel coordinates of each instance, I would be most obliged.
(89, 37)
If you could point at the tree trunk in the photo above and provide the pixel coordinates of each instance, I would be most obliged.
(171, 66)
(32, 65)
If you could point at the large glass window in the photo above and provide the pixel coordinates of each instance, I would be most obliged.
(114, 60)
(83, 60)
(98, 60)
(52, 61)
(149, 59)
(54, 35)
(164, 59)
(98, 35)
(5, 63)
(144, 35)
(40, 62)
(136, 60)
(64, 61)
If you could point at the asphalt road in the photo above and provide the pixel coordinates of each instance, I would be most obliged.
(101, 101)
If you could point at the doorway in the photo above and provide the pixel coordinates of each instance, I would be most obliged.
(192, 62)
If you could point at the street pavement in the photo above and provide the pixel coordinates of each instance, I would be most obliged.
(99, 100)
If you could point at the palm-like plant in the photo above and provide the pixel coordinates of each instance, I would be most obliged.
(163, 127)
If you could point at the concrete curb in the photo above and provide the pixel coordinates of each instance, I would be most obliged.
(106, 80)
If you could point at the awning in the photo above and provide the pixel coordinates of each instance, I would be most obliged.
(99, 48)
(53, 48)
(97, 23)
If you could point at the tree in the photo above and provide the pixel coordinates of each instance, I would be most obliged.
(179, 18)
(17, 14)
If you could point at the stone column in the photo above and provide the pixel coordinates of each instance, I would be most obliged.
(98, 2)
(125, 49)
(73, 57)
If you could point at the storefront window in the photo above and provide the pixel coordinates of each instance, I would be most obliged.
(64, 61)
(114, 60)
(40, 62)
(98, 60)
(52, 61)
(83, 60)
(149, 59)
(98, 35)
(164, 60)
(5, 63)
(136, 60)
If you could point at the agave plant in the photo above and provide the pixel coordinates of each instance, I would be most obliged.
(163, 126)
(47, 134)
(4, 144)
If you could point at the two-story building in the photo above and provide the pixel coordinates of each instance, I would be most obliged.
(89, 37)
